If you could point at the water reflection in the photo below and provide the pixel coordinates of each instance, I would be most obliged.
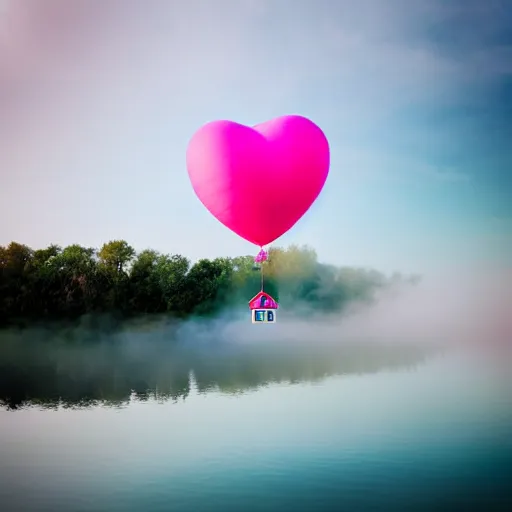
(437, 437)
(53, 369)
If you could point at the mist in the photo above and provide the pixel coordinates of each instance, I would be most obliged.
(101, 361)
(448, 307)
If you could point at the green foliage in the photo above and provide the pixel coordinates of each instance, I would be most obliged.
(68, 283)
(115, 255)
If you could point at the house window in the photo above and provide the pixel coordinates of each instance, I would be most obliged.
(263, 300)
(270, 316)
(259, 316)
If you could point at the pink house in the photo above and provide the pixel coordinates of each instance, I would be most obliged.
(262, 301)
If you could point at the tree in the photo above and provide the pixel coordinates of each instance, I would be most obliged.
(15, 257)
(114, 257)
(69, 282)
(116, 254)
(15, 261)
(71, 278)
(146, 293)
(157, 281)
(203, 283)
(42, 256)
(171, 275)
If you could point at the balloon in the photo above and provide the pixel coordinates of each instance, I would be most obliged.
(259, 181)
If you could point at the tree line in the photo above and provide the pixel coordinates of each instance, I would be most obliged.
(58, 283)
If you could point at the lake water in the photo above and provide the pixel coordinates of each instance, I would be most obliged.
(145, 423)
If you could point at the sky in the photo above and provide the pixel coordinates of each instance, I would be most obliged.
(99, 98)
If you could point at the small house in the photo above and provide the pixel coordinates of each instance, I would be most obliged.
(263, 308)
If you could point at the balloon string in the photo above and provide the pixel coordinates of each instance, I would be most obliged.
(261, 267)
(261, 257)
(261, 276)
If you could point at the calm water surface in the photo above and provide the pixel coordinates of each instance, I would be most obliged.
(150, 425)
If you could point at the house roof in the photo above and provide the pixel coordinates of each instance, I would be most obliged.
(270, 304)
(261, 294)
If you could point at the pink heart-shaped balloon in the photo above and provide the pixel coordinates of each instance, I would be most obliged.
(259, 181)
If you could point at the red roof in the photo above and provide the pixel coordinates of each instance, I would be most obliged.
(268, 303)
